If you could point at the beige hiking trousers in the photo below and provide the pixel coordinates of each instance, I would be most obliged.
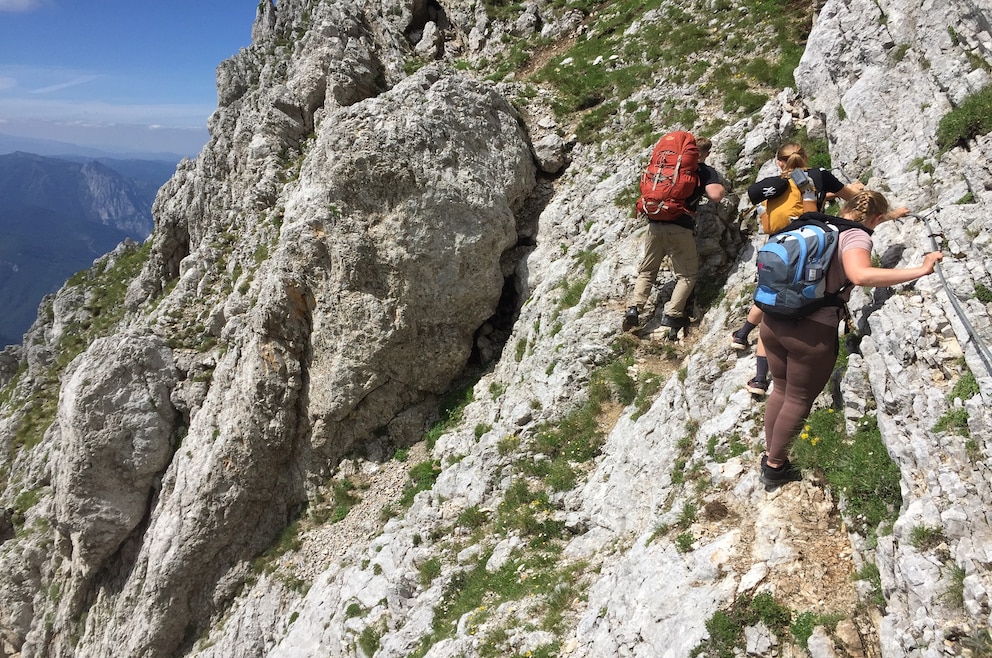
(678, 243)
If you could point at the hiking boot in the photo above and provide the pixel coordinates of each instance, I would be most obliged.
(738, 342)
(773, 477)
(675, 321)
(630, 319)
(757, 386)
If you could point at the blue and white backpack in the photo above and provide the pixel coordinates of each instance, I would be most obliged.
(792, 266)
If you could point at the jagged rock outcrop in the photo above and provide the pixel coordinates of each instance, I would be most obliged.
(361, 286)
(114, 439)
(323, 272)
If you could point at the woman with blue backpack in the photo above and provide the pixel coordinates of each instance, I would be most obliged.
(802, 351)
(798, 189)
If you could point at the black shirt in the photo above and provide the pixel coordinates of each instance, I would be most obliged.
(771, 187)
(707, 176)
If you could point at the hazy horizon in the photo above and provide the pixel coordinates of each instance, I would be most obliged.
(116, 76)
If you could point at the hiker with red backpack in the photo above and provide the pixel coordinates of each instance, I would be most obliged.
(784, 200)
(672, 185)
(800, 338)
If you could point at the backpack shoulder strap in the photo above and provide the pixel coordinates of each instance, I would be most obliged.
(807, 219)
(845, 224)
(816, 173)
(819, 217)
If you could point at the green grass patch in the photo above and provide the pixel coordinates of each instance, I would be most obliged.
(288, 541)
(970, 119)
(955, 589)
(105, 285)
(954, 420)
(343, 497)
(688, 515)
(429, 570)
(610, 62)
(650, 384)
(720, 451)
(577, 437)
(422, 477)
(726, 627)
(804, 623)
(870, 574)
(857, 467)
(965, 388)
(475, 591)
(451, 410)
(926, 538)
(528, 510)
(573, 290)
(371, 637)
(472, 517)
(979, 643)
(39, 414)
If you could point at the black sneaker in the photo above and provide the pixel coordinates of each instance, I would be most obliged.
(774, 477)
(738, 342)
(630, 319)
(674, 321)
(757, 386)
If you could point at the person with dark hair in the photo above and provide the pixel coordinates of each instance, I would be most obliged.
(779, 207)
(802, 353)
(677, 240)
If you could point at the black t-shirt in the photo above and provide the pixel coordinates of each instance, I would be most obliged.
(771, 187)
(707, 175)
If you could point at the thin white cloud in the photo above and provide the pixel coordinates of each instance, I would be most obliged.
(117, 137)
(13, 6)
(79, 80)
(7, 82)
(166, 115)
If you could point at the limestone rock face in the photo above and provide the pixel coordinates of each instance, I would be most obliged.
(347, 297)
(116, 428)
(178, 423)
(914, 63)
(397, 229)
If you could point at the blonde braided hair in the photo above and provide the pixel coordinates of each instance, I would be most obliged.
(865, 204)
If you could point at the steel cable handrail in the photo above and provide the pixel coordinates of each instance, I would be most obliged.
(983, 351)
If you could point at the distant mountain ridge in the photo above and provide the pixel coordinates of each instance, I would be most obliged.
(58, 215)
(68, 150)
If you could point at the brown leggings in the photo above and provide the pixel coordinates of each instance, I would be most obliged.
(801, 357)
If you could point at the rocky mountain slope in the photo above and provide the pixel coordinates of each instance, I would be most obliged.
(363, 391)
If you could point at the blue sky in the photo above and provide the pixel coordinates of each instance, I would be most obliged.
(119, 75)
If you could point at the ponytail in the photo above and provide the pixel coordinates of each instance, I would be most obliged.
(793, 155)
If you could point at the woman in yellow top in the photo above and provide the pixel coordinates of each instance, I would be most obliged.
(784, 200)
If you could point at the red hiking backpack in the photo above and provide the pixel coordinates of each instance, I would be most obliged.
(670, 177)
